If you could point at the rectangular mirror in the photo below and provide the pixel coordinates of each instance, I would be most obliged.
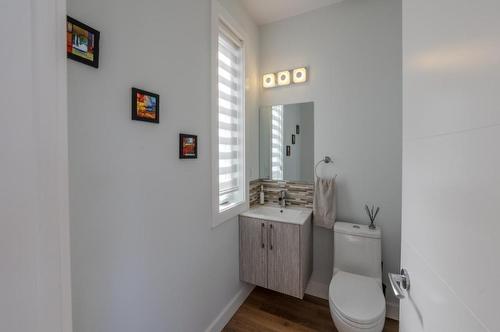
(286, 142)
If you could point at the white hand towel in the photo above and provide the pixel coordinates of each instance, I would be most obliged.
(324, 203)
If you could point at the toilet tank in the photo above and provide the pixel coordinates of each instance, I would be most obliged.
(357, 249)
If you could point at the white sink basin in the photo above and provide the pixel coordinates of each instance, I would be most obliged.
(290, 215)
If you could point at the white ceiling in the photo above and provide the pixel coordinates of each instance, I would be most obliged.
(267, 11)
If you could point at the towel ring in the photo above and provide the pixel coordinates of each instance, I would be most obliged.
(326, 160)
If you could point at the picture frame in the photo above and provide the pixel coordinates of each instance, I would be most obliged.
(288, 152)
(293, 139)
(82, 42)
(297, 129)
(145, 106)
(188, 146)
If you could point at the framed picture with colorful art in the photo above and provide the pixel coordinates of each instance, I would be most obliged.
(145, 106)
(188, 146)
(82, 42)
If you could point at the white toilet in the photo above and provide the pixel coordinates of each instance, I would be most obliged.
(356, 299)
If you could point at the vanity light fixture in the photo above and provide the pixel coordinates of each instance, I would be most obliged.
(269, 80)
(284, 78)
(299, 75)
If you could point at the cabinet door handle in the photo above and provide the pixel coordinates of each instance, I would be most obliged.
(262, 234)
(271, 236)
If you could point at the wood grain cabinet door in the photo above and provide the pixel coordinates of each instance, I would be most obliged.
(284, 258)
(253, 251)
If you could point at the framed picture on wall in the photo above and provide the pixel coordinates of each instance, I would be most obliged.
(293, 139)
(145, 106)
(297, 129)
(288, 151)
(82, 42)
(188, 146)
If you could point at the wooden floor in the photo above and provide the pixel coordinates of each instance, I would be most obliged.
(265, 310)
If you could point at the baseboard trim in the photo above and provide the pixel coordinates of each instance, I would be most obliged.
(230, 309)
(392, 310)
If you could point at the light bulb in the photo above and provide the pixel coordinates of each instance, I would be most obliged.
(269, 80)
(284, 77)
(300, 75)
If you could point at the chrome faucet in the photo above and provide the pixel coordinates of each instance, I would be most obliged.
(282, 198)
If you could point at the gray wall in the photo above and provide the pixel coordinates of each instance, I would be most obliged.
(144, 257)
(354, 53)
(291, 164)
(306, 137)
(298, 166)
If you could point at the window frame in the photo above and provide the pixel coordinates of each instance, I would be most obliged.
(220, 14)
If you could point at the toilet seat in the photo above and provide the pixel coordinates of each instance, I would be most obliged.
(357, 300)
(342, 324)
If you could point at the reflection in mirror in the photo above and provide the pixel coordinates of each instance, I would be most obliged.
(286, 142)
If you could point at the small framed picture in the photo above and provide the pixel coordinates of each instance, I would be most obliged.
(82, 42)
(297, 129)
(293, 139)
(288, 150)
(145, 106)
(188, 146)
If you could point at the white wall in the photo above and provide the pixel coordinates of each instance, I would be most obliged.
(144, 255)
(35, 292)
(353, 50)
(451, 164)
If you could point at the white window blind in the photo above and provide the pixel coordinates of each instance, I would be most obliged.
(230, 84)
(277, 142)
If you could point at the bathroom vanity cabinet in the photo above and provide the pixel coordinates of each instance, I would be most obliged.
(276, 254)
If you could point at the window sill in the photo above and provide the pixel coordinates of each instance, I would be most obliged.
(230, 212)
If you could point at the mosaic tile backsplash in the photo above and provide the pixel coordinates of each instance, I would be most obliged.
(298, 193)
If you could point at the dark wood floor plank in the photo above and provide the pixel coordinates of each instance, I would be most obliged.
(269, 321)
(315, 300)
(313, 315)
(268, 311)
(391, 325)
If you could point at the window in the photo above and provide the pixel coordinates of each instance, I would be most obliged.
(277, 142)
(229, 132)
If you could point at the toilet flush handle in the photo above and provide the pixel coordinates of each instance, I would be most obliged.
(399, 281)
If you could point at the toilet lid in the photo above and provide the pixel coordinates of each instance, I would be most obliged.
(357, 298)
